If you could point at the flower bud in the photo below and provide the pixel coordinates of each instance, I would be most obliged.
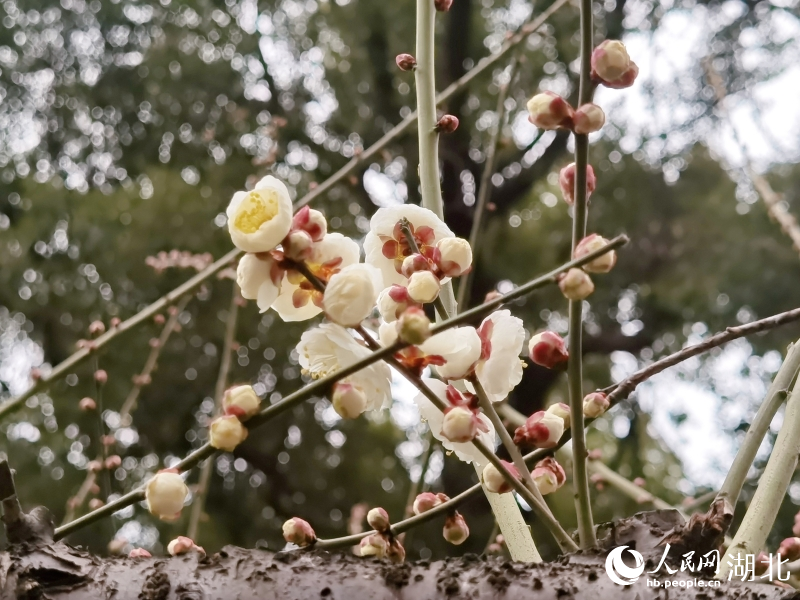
(575, 284)
(241, 401)
(114, 322)
(311, 221)
(796, 527)
(426, 501)
(761, 563)
(455, 529)
(588, 118)
(95, 466)
(299, 532)
(789, 548)
(87, 405)
(387, 333)
(374, 545)
(165, 494)
(348, 400)
(595, 404)
(392, 301)
(566, 181)
(448, 123)
(414, 263)
(378, 519)
(423, 287)
(459, 425)
(100, 376)
(610, 60)
(406, 62)
(495, 481)
(117, 546)
(550, 111)
(542, 429)
(560, 409)
(442, 5)
(547, 349)
(183, 545)
(456, 256)
(548, 475)
(298, 245)
(96, 328)
(159, 319)
(96, 503)
(139, 553)
(226, 432)
(601, 264)
(626, 79)
(113, 462)
(351, 293)
(396, 553)
(413, 326)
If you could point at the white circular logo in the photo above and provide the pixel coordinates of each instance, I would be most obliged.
(621, 573)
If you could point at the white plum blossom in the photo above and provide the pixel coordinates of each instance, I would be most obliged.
(435, 418)
(385, 245)
(351, 294)
(259, 278)
(258, 220)
(460, 347)
(329, 348)
(500, 368)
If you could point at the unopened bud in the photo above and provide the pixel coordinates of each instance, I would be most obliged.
(588, 118)
(548, 475)
(455, 529)
(639, 482)
(601, 264)
(183, 545)
(406, 62)
(87, 405)
(139, 553)
(396, 553)
(95, 466)
(392, 301)
(96, 503)
(626, 80)
(448, 123)
(595, 404)
(575, 284)
(113, 462)
(414, 263)
(423, 287)
(374, 545)
(542, 429)
(789, 548)
(495, 481)
(610, 61)
(311, 221)
(226, 432)
(114, 322)
(165, 494)
(348, 400)
(413, 326)
(298, 245)
(493, 295)
(560, 409)
(158, 319)
(426, 501)
(100, 376)
(241, 401)
(299, 532)
(566, 181)
(547, 349)
(96, 328)
(459, 424)
(36, 374)
(455, 256)
(351, 293)
(378, 519)
(442, 5)
(550, 111)
(796, 527)
(117, 546)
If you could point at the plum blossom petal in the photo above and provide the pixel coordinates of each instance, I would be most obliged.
(259, 219)
(460, 347)
(501, 371)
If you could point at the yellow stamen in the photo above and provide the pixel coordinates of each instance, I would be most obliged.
(258, 207)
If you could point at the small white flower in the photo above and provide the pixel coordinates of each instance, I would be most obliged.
(259, 279)
(435, 418)
(351, 294)
(329, 348)
(460, 347)
(500, 368)
(165, 494)
(423, 287)
(259, 220)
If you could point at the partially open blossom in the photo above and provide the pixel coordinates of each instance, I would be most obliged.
(413, 326)
(165, 494)
(499, 369)
(575, 284)
(259, 278)
(566, 181)
(378, 519)
(298, 245)
(351, 294)
(423, 287)
(374, 545)
(459, 346)
(455, 529)
(548, 475)
(348, 400)
(405, 62)
(329, 348)
(588, 118)
(560, 409)
(183, 545)
(595, 404)
(448, 123)
(242, 401)
(87, 404)
(601, 264)
(426, 501)
(259, 220)
(226, 432)
(495, 481)
(455, 256)
(310, 221)
(548, 110)
(547, 349)
(393, 301)
(139, 553)
(299, 532)
(789, 548)
(612, 65)
(542, 429)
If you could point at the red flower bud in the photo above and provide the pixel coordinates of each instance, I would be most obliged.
(447, 124)
(87, 405)
(426, 501)
(406, 62)
(494, 480)
(542, 429)
(378, 519)
(442, 5)
(550, 111)
(455, 529)
(547, 349)
(595, 404)
(566, 181)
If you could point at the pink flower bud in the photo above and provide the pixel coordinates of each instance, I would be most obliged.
(610, 60)
(165, 494)
(447, 124)
(455, 529)
(413, 326)
(542, 429)
(115, 322)
(639, 482)
(183, 545)
(378, 519)
(396, 553)
(392, 301)
(575, 284)
(241, 401)
(455, 256)
(113, 462)
(414, 263)
(442, 5)
(495, 481)
(560, 409)
(548, 475)
(547, 349)
(348, 400)
(139, 553)
(87, 405)
(96, 503)
(374, 545)
(226, 432)
(789, 548)
(298, 245)
(460, 424)
(299, 532)
(601, 264)
(100, 376)
(117, 546)
(626, 80)
(595, 404)
(423, 287)
(96, 328)
(95, 466)
(158, 320)
(761, 563)
(796, 527)
(550, 111)
(406, 62)
(588, 118)
(426, 501)
(311, 221)
(566, 181)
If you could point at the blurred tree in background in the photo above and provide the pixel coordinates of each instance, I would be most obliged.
(125, 127)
